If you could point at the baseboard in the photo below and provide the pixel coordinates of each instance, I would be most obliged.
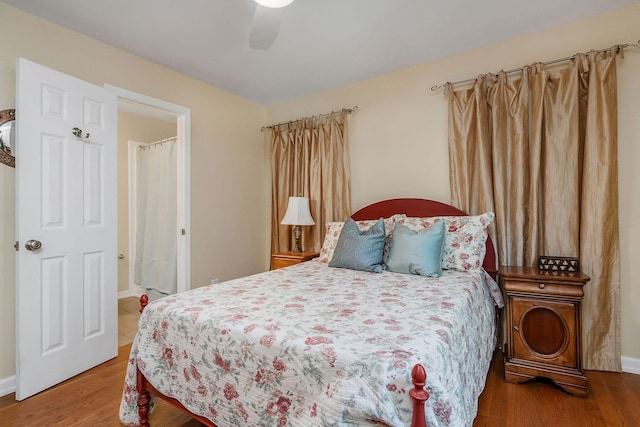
(130, 293)
(7, 385)
(126, 294)
(630, 365)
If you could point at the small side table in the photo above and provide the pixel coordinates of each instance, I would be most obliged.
(285, 259)
(544, 330)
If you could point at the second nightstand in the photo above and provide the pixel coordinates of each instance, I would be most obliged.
(285, 259)
(544, 327)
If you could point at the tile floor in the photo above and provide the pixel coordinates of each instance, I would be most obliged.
(127, 319)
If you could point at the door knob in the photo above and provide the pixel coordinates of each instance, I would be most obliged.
(33, 245)
(78, 132)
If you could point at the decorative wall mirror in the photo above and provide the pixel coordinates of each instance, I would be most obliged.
(7, 137)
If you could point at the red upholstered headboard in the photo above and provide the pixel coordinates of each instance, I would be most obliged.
(422, 208)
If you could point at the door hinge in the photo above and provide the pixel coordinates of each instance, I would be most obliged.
(17, 246)
(184, 232)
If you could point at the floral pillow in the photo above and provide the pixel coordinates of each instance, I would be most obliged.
(464, 241)
(333, 233)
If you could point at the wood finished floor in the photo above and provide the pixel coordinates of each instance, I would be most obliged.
(93, 398)
(127, 320)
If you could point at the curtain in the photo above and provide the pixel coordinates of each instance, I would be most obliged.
(541, 152)
(310, 158)
(156, 236)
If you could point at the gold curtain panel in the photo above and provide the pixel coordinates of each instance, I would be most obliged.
(541, 152)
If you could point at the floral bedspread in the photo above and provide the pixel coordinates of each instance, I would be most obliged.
(319, 346)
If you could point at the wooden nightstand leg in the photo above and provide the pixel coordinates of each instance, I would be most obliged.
(575, 389)
(579, 385)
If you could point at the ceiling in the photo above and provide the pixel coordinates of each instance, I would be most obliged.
(322, 44)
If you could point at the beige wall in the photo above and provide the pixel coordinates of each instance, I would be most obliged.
(398, 141)
(132, 127)
(228, 198)
(398, 138)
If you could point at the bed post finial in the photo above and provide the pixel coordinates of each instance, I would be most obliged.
(144, 300)
(419, 395)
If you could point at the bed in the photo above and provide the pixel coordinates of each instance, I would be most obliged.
(315, 345)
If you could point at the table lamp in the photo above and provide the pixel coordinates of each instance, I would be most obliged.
(297, 214)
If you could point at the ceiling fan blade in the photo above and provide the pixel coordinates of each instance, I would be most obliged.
(265, 26)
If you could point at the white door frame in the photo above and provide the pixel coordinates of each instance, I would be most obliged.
(183, 119)
(132, 148)
(133, 289)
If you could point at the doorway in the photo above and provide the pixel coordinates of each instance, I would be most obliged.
(168, 120)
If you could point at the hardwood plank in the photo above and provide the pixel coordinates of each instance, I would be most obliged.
(613, 400)
(93, 399)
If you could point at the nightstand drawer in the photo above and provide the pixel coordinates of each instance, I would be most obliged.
(285, 259)
(283, 262)
(543, 288)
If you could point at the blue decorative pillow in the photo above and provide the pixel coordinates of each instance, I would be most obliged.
(417, 253)
(360, 250)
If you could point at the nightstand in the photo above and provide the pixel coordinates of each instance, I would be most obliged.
(544, 327)
(285, 259)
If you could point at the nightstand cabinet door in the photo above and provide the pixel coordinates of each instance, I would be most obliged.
(544, 331)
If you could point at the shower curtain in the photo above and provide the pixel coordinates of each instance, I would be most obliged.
(156, 236)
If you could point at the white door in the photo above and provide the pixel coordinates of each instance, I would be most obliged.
(66, 202)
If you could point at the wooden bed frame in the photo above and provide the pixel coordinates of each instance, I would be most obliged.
(411, 207)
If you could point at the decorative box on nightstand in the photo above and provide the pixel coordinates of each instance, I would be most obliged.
(544, 326)
(285, 259)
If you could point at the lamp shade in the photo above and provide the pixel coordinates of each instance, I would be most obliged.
(298, 212)
(274, 4)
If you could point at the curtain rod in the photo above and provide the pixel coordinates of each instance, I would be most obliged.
(347, 110)
(555, 61)
(162, 141)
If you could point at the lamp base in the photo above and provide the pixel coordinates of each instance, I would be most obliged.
(296, 236)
